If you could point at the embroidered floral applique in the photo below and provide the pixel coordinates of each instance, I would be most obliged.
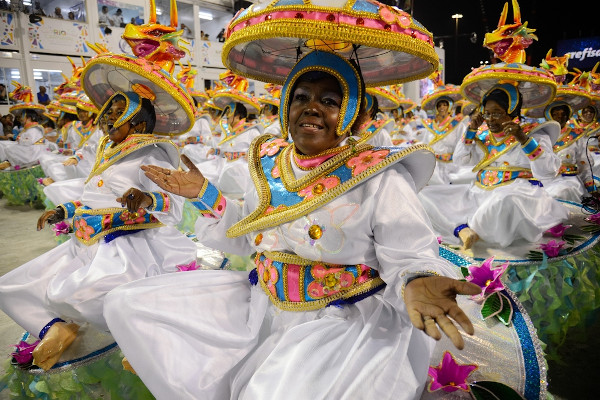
(365, 160)
(82, 229)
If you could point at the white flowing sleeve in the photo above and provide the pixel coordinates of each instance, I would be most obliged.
(166, 207)
(217, 215)
(466, 151)
(405, 244)
(544, 165)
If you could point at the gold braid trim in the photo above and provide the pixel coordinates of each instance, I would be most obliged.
(567, 144)
(256, 221)
(100, 167)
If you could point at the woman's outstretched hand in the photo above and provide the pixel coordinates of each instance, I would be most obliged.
(431, 300)
(135, 199)
(182, 183)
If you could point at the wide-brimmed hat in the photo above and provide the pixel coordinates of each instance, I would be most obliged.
(24, 98)
(387, 99)
(149, 74)
(235, 90)
(449, 93)
(265, 41)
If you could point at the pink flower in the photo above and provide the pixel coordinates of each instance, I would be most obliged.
(449, 375)
(439, 239)
(131, 218)
(272, 147)
(594, 218)
(17, 167)
(269, 275)
(61, 228)
(365, 160)
(490, 178)
(189, 267)
(83, 230)
(392, 15)
(552, 248)
(23, 351)
(558, 230)
(319, 187)
(41, 181)
(486, 277)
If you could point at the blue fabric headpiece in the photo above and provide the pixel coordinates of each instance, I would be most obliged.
(369, 99)
(555, 104)
(133, 104)
(347, 75)
(511, 91)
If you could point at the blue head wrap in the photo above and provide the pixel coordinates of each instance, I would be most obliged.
(133, 104)
(348, 76)
(511, 91)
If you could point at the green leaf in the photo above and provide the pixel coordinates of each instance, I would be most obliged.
(590, 228)
(488, 390)
(506, 314)
(572, 238)
(465, 271)
(491, 306)
(535, 255)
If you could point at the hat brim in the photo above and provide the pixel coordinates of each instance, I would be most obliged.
(223, 98)
(264, 42)
(18, 109)
(537, 86)
(109, 73)
(450, 91)
(385, 100)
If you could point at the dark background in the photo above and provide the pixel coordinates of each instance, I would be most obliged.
(552, 21)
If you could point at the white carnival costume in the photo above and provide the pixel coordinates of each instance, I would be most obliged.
(322, 313)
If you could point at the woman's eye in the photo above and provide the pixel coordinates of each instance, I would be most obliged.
(330, 102)
(300, 97)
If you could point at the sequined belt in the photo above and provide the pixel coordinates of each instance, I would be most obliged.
(90, 225)
(492, 178)
(296, 284)
(445, 157)
(233, 155)
(568, 169)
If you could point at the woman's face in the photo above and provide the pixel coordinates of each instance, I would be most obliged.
(495, 116)
(313, 115)
(119, 134)
(588, 114)
(442, 107)
(559, 115)
(83, 115)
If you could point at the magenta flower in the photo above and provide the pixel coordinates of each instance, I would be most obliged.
(558, 230)
(594, 218)
(23, 351)
(17, 167)
(449, 375)
(439, 239)
(488, 278)
(189, 267)
(41, 181)
(61, 228)
(552, 248)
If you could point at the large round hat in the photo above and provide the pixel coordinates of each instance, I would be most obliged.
(84, 103)
(387, 99)
(265, 41)
(272, 96)
(24, 98)
(150, 74)
(236, 90)
(575, 97)
(449, 92)
(536, 85)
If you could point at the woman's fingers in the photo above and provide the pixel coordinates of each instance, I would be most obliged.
(188, 163)
(450, 330)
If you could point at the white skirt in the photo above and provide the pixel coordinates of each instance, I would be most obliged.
(71, 280)
(211, 335)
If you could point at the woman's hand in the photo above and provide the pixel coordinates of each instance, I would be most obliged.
(476, 121)
(430, 300)
(135, 199)
(70, 161)
(50, 216)
(182, 183)
(67, 152)
(514, 129)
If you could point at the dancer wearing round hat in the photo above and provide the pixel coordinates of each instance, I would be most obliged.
(376, 130)
(575, 178)
(123, 223)
(31, 143)
(507, 201)
(269, 112)
(334, 293)
(443, 131)
(237, 134)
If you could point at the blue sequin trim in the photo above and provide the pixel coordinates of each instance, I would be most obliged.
(253, 277)
(365, 6)
(48, 326)
(113, 235)
(535, 182)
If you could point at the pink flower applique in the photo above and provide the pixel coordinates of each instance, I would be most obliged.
(365, 160)
(319, 187)
(82, 229)
(23, 353)
(269, 275)
(329, 281)
(271, 148)
(552, 248)
(595, 218)
(189, 267)
(275, 172)
(490, 178)
(131, 218)
(440, 240)
(391, 15)
(449, 375)
(61, 228)
(486, 277)
(558, 230)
